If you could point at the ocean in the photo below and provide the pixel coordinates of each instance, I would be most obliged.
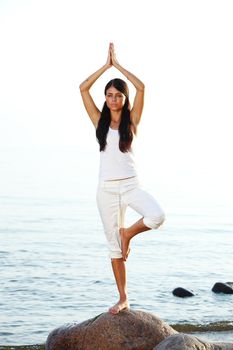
(54, 265)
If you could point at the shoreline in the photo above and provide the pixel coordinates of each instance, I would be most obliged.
(22, 347)
(219, 336)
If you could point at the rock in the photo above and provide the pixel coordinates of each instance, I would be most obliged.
(130, 329)
(188, 342)
(226, 288)
(182, 293)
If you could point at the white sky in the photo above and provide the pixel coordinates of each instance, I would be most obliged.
(182, 50)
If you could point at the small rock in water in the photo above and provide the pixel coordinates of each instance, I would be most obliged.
(226, 288)
(182, 292)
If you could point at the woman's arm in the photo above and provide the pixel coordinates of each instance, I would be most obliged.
(91, 108)
(136, 111)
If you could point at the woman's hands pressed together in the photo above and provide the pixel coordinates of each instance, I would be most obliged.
(113, 55)
(111, 60)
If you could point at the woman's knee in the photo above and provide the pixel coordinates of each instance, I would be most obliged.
(154, 221)
(115, 254)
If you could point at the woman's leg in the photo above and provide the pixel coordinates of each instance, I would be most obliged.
(152, 216)
(112, 215)
(128, 233)
(119, 270)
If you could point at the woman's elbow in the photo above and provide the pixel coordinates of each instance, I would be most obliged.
(82, 87)
(141, 87)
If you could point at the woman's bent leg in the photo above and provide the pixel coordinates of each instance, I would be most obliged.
(128, 233)
(152, 216)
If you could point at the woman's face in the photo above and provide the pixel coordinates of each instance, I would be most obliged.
(115, 99)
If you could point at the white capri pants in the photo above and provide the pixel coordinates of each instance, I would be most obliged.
(113, 197)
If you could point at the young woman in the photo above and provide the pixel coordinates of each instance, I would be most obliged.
(116, 126)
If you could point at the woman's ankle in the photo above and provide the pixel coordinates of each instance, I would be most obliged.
(123, 298)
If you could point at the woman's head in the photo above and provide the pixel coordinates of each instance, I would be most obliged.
(117, 99)
(117, 95)
(119, 85)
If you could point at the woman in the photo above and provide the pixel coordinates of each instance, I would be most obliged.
(116, 126)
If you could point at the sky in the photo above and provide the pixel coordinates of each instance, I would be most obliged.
(182, 51)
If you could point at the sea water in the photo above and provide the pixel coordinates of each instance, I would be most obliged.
(54, 265)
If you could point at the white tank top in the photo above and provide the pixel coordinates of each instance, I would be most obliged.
(114, 164)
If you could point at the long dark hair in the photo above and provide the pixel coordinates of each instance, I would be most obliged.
(125, 128)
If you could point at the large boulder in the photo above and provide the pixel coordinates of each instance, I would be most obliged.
(188, 342)
(129, 330)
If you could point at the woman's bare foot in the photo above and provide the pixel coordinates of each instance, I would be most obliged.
(125, 240)
(118, 307)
